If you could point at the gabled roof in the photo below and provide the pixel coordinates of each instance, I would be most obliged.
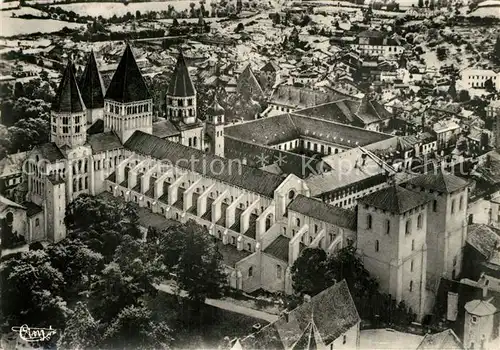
(225, 170)
(91, 84)
(68, 98)
(332, 312)
(279, 248)
(127, 84)
(248, 80)
(444, 183)
(49, 151)
(270, 66)
(307, 340)
(180, 83)
(445, 340)
(103, 142)
(483, 238)
(395, 199)
(215, 108)
(320, 210)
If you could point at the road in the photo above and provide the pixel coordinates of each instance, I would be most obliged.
(225, 305)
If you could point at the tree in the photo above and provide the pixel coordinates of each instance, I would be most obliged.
(239, 28)
(489, 86)
(309, 271)
(426, 3)
(432, 4)
(463, 96)
(189, 252)
(26, 133)
(441, 53)
(496, 50)
(135, 328)
(452, 90)
(137, 14)
(33, 288)
(420, 3)
(81, 331)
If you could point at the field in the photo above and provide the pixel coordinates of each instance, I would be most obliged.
(108, 9)
(18, 26)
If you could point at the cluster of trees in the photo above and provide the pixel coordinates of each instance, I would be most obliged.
(314, 271)
(289, 20)
(97, 286)
(26, 112)
(496, 51)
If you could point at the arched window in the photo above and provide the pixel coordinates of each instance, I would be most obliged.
(315, 228)
(452, 206)
(369, 221)
(434, 205)
(297, 222)
(411, 286)
(249, 247)
(377, 246)
(278, 271)
(269, 221)
(419, 221)
(408, 226)
(195, 141)
(412, 244)
(387, 226)
(37, 222)
(250, 271)
(291, 194)
(460, 203)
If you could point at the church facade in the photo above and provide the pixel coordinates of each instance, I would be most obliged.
(261, 219)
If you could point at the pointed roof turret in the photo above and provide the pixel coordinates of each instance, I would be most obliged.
(91, 85)
(181, 84)
(68, 98)
(127, 84)
(215, 108)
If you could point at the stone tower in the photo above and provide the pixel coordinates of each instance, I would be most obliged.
(68, 113)
(181, 106)
(128, 105)
(92, 90)
(215, 127)
(479, 332)
(446, 224)
(391, 241)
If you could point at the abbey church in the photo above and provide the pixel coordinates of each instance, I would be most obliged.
(266, 208)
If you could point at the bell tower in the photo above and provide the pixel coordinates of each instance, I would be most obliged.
(128, 105)
(68, 112)
(215, 127)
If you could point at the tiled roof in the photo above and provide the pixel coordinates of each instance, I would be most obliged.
(301, 98)
(127, 84)
(266, 131)
(230, 254)
(444, 183)
(279, 248)
(215, 108)
(91, 84)
(165, 128)
(7, 202)
(68, 98)
(180, 83)
(96, 128)
(395, 199)
(332, 312)
(281, 161)
(49, 151)
(341, 134)
(247, 80)
(307, 340)
(483, 238)
(320, 210)
(286, 127)
(103, 142)
(32, 208)
(221, 169)
(445, 340)
(12, 163)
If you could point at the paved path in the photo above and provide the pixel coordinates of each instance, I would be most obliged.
(225, 305)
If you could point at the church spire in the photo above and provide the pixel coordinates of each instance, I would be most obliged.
(127, 84)
(181, 84)
(91, 85)
(68, 98)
